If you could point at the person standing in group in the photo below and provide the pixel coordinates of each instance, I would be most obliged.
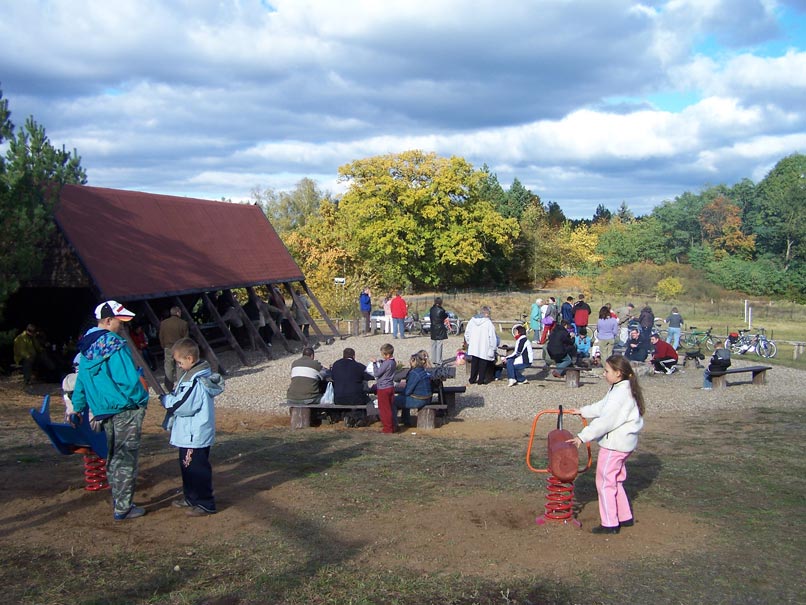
(399, 312)
(108, 382)
(482, 341)
(536, 319)
(300, 312)
(646, 318)
(607, 330)
(365, 306)
(615, 423)
(439, 329)
(172, 329)
(567, 310)
(387, 315)
(625, 316)
(384, 371)
(193, 427)
(675, 321)
(582, 312)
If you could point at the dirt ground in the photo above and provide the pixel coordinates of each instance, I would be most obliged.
(489, 534)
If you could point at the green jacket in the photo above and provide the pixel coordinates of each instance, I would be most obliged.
(108, 381)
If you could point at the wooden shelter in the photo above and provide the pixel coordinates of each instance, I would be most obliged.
(155, 251)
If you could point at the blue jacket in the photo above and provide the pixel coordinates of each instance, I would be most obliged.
(108, 381)
(418, 388)
(194, 420)
(365, 302)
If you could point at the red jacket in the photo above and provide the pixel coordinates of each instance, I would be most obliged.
(663, 350)
(399, 308)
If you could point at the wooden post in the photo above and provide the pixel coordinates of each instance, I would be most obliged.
(138, 359)
(224, 329)
(198, 335)
(250, 327)
(572, 378)
(275, 328)
(300, 417)
(291, 320)
(324, 315)
(426, 419)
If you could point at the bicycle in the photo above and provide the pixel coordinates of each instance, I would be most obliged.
(695, 338)
(660, 328)
(764, 347)
(746, 343)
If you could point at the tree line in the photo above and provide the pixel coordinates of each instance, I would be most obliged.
(419, 221)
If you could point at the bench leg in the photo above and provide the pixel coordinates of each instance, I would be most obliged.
(719, 382)
(300, 418)
(760, 377)
(449, 399)
(572, 378)
(426, 419)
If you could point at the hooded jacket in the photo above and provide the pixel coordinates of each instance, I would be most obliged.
(108, 381)
(194, 420)
(481, 337)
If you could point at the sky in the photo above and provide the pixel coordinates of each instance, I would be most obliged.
(585, 102)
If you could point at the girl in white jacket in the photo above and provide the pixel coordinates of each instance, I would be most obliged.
(616, 421)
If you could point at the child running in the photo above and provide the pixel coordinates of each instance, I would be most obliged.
(384, 372)
(193, 428)
(616, 421)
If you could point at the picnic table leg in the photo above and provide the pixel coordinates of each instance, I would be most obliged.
(300, 418)
(426, 419)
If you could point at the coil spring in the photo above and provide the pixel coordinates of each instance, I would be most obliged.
(560, 499)
(94, 473)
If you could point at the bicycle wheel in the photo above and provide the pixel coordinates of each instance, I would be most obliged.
(515, 327)
(766, 349)
(709, 343)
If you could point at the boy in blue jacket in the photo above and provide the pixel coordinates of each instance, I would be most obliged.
(192, 425)
(109, 384)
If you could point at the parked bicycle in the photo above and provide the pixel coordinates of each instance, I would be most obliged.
(695, 338)
(743, 343)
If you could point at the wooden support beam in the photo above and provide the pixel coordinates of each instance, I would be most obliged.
(224, 329)
(291, 320)
(198, 336)
(324, 315)
(140, 362)
(250, 327)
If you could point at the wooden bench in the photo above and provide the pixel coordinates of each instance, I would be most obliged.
(301, 413)
(719, 378)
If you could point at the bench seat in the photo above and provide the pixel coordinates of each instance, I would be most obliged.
(719, 377)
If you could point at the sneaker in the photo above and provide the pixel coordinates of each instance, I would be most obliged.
(133, 513)
(198, 511)
(512, 382)
(628, 523)
(707, 389)
(180, 503)
(601, 529)
(524, 381)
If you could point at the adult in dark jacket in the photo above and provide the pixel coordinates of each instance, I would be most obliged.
(365, 306)
(636, 349)
(348, 378)
(647, 320)
(561, 348)
(439, 331)
(582, 312)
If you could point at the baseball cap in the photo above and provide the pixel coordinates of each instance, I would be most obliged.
(112, 308)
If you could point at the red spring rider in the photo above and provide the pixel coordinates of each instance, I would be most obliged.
(563, 468)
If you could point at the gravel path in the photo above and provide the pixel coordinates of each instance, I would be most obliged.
(262, 386)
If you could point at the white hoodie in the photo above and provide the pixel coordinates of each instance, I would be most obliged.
(481, 338)
(616, 421)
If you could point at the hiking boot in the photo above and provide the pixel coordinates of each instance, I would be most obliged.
(180, 503)
(133, 513)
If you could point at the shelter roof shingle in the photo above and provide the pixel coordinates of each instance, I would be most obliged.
(138, 245)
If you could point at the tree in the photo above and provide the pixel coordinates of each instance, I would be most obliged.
(288, 211)
(624, 214)
(602, 214)
(721, 225)
(538, 258)
(31, 176)
(416, 218)
(556, 217)
(779, 218)
(518, 198)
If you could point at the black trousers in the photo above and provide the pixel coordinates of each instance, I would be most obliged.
(197, 477)
(482, 371)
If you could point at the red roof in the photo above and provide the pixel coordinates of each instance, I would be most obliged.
(138, 245)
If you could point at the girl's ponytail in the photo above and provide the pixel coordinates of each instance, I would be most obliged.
(622, 366)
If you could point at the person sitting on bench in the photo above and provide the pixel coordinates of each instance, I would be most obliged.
(417, 392)
(349, 385)
(719, 362)
(665, 357)
(307, 380)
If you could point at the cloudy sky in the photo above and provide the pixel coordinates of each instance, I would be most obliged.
(584, 101)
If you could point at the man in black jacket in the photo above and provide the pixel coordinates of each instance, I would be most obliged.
(439, 331)
(561, 348)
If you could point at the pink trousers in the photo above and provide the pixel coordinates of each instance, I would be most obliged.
(614, 508)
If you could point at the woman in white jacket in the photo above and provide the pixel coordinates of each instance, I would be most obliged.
(616, 421)
(482, 341)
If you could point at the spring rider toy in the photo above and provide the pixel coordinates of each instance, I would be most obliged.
(563, 463)
(79, 439)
